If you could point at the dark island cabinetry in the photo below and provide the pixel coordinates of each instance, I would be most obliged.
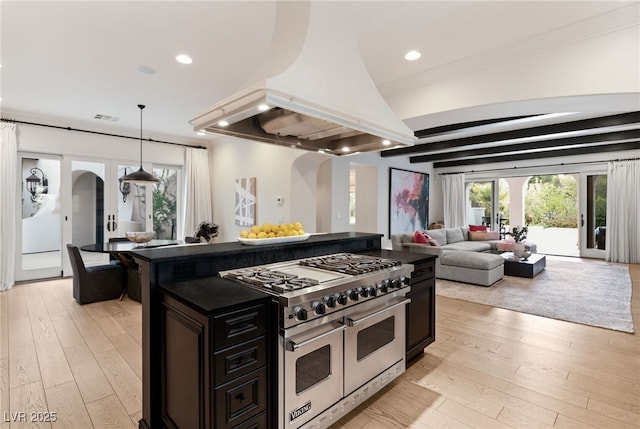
(421, 312)
(215, 355)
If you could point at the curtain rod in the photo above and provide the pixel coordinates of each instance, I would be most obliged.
(544, 165)
(13, 121)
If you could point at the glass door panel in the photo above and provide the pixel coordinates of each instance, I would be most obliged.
(132, 204)
(593, 215)
(91, 218)
(165, 202)
(39, 252)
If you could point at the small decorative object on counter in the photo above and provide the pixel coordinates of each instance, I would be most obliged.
(207, 232)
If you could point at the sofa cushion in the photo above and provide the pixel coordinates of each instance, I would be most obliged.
(475, 260)
(440, 235)
(469, 246)
(454, 235)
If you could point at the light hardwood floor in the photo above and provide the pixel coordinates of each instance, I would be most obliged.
(489, 368)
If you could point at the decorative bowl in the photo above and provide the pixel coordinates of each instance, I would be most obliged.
(141, 237)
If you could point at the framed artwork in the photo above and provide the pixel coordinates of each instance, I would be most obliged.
(245, 213)
(408, 201)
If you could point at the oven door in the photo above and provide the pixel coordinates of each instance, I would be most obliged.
(313, 370)
(374, 341)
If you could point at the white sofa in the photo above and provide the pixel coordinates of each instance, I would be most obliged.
(459, 258)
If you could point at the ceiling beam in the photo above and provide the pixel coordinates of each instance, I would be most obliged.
(427, 132)
(615, 147)
(543, 144)
(580, 125)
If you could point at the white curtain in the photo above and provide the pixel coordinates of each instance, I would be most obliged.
(8, 186)
(453, 196)
(197, 192)
(623, 212)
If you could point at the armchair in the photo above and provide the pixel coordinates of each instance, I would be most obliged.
(93, 284)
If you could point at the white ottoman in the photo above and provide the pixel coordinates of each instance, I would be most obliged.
(478, 268)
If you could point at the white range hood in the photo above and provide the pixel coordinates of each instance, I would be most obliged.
(313, 90)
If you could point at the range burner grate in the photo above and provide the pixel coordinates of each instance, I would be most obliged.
(350, 263)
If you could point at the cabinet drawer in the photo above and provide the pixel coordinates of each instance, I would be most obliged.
(423, 271)
(239, 326)
(240, 360)
(258, 422)
(241, 399)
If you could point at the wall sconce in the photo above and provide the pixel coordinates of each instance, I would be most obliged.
(35, 185)
(125, 187)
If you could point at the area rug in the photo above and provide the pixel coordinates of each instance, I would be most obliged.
(591, 293)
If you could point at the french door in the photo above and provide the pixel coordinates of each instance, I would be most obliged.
(593, 214)
(39, 217)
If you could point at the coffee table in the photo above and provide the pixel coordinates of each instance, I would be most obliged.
(524, 268)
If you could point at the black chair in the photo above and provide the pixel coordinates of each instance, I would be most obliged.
(93, 284)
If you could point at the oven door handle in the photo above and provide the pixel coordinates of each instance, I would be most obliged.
(292, 346)
(355, 322)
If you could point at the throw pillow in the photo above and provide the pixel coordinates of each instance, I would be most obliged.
(478, 235)
(493, 235)
(433, 242)
(419, 237)
(478, 228)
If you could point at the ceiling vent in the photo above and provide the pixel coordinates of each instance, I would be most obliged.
(106, 117)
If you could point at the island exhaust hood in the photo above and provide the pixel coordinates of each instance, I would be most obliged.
(313, 91)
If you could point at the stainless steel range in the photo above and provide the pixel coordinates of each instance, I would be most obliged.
(342, 331)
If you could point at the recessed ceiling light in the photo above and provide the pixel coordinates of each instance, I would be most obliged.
(223, 123)
(184, 59)
(386, 142)
(263, 107)
(412, 55)
(345, 149)
(146, 70)
(201, 133)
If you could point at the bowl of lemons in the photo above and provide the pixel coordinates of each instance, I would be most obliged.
(271, 233)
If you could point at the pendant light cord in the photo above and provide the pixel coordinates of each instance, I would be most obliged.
(141, 106)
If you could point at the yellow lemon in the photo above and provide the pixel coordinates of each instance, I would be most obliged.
(255, 229)
(266, 227)
(280, 234)
(297, 225)
(244, 233)
(300, 231)
(262, 234)
(252, 235)
(271, 235)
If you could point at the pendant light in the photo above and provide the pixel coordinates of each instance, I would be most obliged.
(140, 176)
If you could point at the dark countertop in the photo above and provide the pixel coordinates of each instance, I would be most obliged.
(210, 294)
(174, 253)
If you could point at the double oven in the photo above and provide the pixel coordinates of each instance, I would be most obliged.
(342, 332)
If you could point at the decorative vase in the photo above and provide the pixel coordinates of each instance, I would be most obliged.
(518, 250)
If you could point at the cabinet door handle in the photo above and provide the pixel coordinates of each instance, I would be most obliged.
(109, 223)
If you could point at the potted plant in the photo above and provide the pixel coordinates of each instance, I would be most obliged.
(519, 235)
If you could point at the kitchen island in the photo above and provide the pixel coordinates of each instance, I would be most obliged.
(162, 267)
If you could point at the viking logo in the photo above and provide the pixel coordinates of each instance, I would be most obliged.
(300, 411)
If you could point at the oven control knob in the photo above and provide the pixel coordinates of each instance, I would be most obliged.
(341, 298)
(372, 291)
(364, 292)
(330, 301)
(384, 286)
(353, 295)
(319, 307)
(300, 313)
(405, 281)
